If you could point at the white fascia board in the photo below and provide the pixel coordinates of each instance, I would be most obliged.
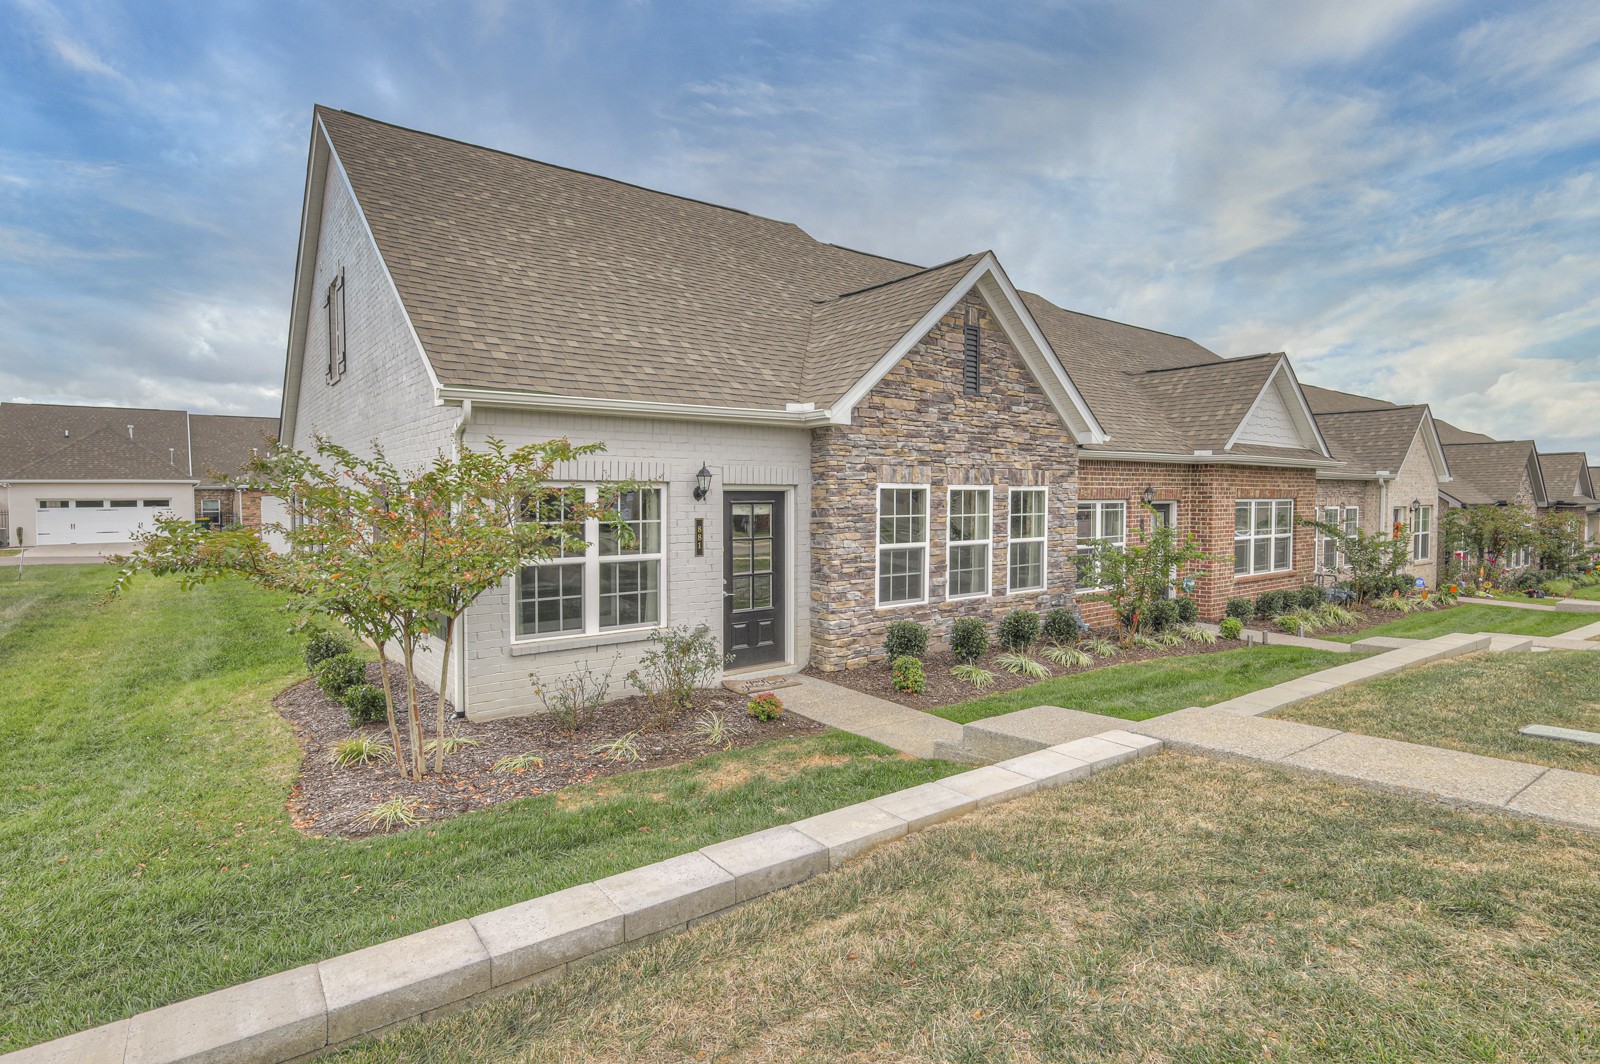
(1021, 330)
(488, 397)
(1334, 474)
(304, 269)
(1430, 436)
(89, 481)
(372, 239)
(1207, 459)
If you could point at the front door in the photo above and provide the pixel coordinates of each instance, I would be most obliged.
(753, 559)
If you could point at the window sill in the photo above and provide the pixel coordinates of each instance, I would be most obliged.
(585, 641)
(1261, 576)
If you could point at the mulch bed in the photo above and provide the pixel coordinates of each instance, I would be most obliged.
(329, 800)
(1366, 617)
(943, 689)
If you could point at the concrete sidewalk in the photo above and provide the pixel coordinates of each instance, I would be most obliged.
(907, 730)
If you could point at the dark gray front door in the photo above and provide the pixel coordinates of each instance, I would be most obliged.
(753, 561)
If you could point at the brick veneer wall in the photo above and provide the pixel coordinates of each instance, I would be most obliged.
(1205, 495)
(918, 428)
(242, 508)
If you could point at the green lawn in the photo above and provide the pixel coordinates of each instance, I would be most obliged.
(147, 853)
(1175, 909)
(1476, 704)
(1474, 618)
(1144, 689)
(1590, 593)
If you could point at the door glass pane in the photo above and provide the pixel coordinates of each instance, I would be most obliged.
(761, 556)
(761, 591)
(739, 519)
(762, 513)
(741, 592)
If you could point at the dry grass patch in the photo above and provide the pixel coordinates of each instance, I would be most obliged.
(1475, 704)
(1175, 909)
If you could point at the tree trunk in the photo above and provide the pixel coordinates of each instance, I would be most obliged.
(413, 718)
(388, 701)
(444, 676)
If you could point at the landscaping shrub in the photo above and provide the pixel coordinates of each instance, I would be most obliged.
(908, 675)
(1559, 588)
(905, 639)
(1161, 615)
(1308, 598)
(573, 698)
(1231, 628)
(1274, 604)
(336, 675)
(1241, 609)
(323, 645)
(969, 639)
(366, 704)
(1188, 611)
(1019, 630)
(1531, 579)
(765, 706)
(1062, 626)
(681, 661)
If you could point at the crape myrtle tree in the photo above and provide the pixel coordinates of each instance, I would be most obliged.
(1132, 578)
(395, 556)
(1375, 560)
(1558, 539)
(1487, 536)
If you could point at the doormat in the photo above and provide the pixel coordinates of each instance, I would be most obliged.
(758, 684)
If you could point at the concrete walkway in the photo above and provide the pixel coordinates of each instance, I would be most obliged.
(909, 730)
(1276, 638)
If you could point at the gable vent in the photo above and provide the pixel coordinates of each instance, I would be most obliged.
(971, 379)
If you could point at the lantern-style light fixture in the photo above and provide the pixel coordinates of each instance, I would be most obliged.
(702, 483)
(1149, 494)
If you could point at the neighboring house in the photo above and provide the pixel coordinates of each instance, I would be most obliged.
(1394, 470)
(878, 441)
(1594, 515)
(94, 475)
(1570, 487)
(1496, 473)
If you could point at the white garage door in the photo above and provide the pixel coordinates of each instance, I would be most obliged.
(96, 520)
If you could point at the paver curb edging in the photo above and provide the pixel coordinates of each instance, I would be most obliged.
(307, 1011)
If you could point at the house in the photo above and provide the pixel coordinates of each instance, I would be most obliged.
(1594, 516)
(1394, 469)
(1571, 489)
(830, 440)
(93, 475)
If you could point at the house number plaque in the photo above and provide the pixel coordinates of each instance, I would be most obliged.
(699, 537)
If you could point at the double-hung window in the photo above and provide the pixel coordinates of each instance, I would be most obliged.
(1421, 531)
(1263, 536)
(969, 543)
(613, 582)
(1026, 545)
(902, 545)
(1347, 518)
(1100, 525)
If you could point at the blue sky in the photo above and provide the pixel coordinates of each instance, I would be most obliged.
(1402, 194)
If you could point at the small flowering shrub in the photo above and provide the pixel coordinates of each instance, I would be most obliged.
(765, 706)
(908, 675)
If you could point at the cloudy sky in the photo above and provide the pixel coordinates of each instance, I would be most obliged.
(1402, 194)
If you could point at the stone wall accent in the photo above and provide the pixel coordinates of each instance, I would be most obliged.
(917, 427)
(1205, 496)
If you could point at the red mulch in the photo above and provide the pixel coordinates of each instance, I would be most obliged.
(943, 689)
(329, 800)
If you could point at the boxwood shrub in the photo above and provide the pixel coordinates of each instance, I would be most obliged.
(969, 639)
(1019, 630)
(905, 639)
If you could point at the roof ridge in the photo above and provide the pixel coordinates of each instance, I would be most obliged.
(885, 284)
(1205, 365)
(1377, 409)
(858, 251)
(318, 109)
(1124, 324)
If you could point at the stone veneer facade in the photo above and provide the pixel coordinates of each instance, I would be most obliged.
(1205, 495)
(917, 427)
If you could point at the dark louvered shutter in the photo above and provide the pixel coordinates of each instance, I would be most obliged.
(970, 379)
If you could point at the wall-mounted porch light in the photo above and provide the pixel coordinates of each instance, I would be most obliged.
(1149, 495)
(702, 483)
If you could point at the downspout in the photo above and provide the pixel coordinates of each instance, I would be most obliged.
(1386, 525)
(461, 625)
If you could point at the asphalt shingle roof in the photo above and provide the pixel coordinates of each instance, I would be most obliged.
(1564, 477)
(223, 443)
(1494, 468)
(1372, 441)
(41, 441)
(524, 276)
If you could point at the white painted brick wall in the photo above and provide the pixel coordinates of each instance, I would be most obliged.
(670, 452)
(385, 394)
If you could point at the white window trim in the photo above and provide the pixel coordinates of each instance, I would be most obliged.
(592, 559)
(1349, 519)
(1252, 537)
(950, 544)
(1099, 526)
(1043, 541)
(1414, 529)
(879, 546)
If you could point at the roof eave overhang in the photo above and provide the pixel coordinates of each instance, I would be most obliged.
(8, 481)
(728, 415)
(1097, 455)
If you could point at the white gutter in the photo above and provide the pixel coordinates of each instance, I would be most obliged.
(634, 407)
(1085, 454)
